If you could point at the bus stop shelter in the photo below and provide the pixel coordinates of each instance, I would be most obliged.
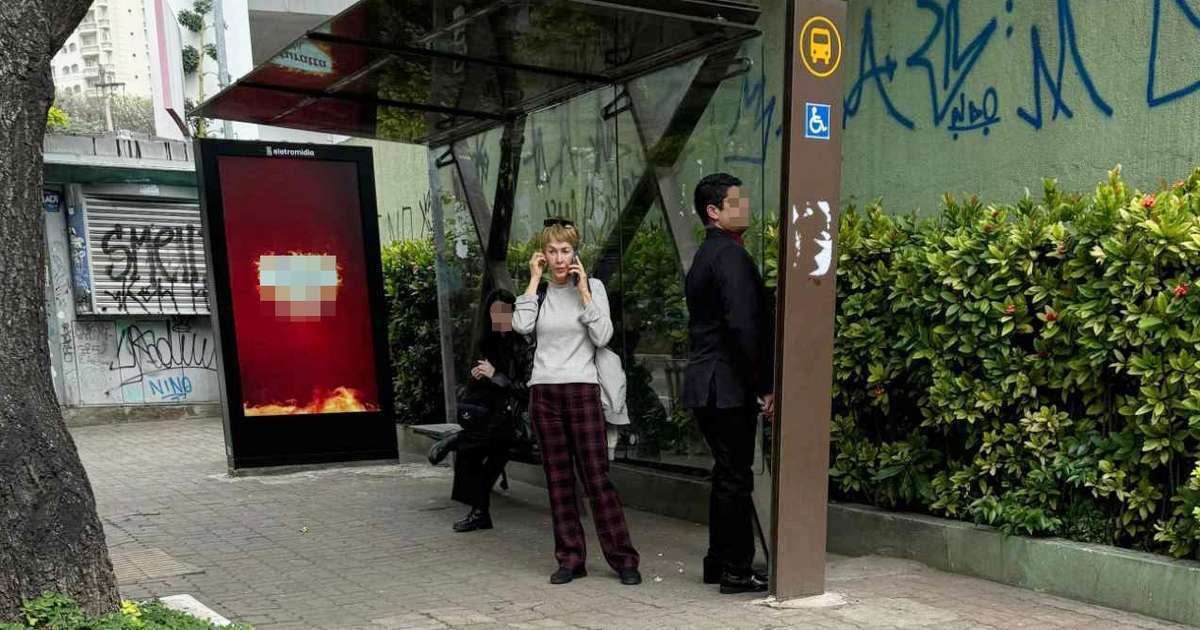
(455, 75)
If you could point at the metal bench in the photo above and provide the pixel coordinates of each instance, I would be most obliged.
(520, 452)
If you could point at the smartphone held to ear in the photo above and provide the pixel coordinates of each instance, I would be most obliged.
(575, 261)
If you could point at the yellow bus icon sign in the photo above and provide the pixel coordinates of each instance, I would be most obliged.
(820, 46)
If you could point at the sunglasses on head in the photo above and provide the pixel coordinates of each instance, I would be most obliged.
(562, 222)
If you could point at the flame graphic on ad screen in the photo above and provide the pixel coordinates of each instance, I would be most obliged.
(340, 400)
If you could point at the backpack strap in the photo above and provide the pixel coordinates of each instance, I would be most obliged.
(541, 297)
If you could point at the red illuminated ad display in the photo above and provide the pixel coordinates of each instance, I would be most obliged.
(298, 285)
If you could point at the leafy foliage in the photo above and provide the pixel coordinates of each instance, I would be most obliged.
(191, 59)
(57, 119)
(82, 114)
(193, 19)
(54, 611)
(413, 334)
(1033, 367)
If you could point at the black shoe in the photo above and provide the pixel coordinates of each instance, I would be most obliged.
(630, 577)
(752, 582)
(564, 575)
(476, 519)
(712, 570)
(442, 448)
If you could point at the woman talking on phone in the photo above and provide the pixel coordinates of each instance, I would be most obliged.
(570, 322)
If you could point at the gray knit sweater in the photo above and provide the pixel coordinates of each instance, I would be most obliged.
(567, 333)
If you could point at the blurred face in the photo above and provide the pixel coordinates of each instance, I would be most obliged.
(558, 259)
(734, 213)
(501, 317)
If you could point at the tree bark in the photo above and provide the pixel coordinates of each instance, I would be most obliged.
(50, 536)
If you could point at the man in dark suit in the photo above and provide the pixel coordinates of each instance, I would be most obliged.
(730, 375)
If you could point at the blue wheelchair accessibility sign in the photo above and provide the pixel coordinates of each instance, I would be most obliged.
(816, 121)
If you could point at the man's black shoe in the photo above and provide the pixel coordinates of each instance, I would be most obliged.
(442, 447)
(630, 577)
(749, 583)
(564, 575)
(712, 570)
(476, 519)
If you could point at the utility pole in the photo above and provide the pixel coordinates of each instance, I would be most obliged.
(106, 85)
(222, 64)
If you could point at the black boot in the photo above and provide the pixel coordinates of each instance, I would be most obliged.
(442, 447)
(476, 519)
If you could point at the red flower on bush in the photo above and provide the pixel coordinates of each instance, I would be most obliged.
(1010, 309)
(1148, 201)
(1051, 316)
(1181, 289)
(878, 391)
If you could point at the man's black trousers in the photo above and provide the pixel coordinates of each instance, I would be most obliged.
(730, 436)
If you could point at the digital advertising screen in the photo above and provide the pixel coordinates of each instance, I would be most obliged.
(294, 247)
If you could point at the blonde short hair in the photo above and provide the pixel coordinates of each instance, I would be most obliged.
(560, 233)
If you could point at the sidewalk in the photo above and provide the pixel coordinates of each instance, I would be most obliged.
(371, 547)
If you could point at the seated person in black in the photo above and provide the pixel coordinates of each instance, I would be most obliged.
(495, 396)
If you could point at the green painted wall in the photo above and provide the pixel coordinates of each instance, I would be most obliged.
(1017, 121)
(401, 189)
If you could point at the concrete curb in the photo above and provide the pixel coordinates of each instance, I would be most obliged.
(1108, 576)
(187, 604)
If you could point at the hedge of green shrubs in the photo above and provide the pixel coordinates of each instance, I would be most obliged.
(1033, 367)
(413, 334)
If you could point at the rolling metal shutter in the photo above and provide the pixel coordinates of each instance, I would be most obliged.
(146, 256)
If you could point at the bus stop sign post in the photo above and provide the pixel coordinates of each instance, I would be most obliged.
(811, 173)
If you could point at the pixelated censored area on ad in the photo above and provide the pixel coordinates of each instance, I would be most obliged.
(298, 284)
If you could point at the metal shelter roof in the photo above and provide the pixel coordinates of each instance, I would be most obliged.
(436, 71)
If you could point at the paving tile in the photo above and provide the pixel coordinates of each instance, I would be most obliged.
(346, 548)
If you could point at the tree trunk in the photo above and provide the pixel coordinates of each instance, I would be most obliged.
(50, 535)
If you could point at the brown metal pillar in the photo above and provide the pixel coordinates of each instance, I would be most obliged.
(812, 175)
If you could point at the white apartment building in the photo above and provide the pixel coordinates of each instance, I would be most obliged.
(110, 46)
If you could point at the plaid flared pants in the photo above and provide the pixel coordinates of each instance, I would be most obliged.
(569, 422)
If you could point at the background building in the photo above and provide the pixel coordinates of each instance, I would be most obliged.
(109, 47)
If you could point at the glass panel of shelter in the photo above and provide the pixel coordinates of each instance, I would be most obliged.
(464, 264)
(579, 163)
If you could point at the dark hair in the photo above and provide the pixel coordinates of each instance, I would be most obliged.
(711, 191)
(499, 295)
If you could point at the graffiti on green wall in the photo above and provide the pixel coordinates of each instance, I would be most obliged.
(950, 51)
(952, 96)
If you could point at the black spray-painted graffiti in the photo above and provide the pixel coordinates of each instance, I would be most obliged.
(149, 282)
(958, 109)
(406, 223)
(147, 351)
